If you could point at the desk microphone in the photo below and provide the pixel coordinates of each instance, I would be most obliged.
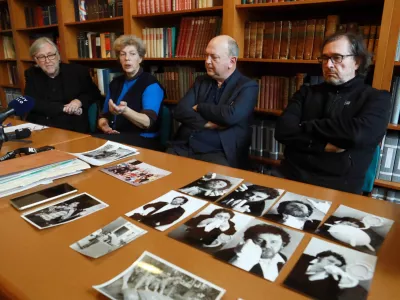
(19, 134)
(18, 106)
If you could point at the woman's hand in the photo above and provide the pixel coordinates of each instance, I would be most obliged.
(117, 109)
(103, 125)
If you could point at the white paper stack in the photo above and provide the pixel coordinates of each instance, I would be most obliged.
(16, 182)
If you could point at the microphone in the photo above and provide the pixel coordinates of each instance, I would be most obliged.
(18, 135)
(18, 106)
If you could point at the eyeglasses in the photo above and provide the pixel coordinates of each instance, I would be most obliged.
(42, 58)
(337, 58)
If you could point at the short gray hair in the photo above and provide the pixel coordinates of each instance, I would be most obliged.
(35, 47)
(129, 40)
(233, 48)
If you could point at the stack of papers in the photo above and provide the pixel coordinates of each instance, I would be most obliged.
(17, 182)
(30, 126)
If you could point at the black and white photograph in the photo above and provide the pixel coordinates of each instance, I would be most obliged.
(109, 152)
(211, 228)
(151, 277)
(328, 271)
(211, 186)
(109, 238)
(167, 210)
(298, 211)
(65, 211)
(261, 248)
(135, 172)
(252, 199)
(354, 228)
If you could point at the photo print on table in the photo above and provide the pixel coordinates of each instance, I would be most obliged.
(167, 210)
(135, 172)
(211, 186)
(298, 211)
(329, 271)
(151, 277)
(65, 211)
(251, 198)
(116, 234)
(354, 228)
(211, 228)
(107, 153)
(261, 248)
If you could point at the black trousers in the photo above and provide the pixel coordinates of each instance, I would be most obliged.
(218, 158)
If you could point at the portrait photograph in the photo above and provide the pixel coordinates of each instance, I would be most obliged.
(153, 278)
(261, 248)
(329, 271)
(107, 153)
(252, 199)
(211, 228)
(65, 211)
(298, 211)
(167, 210)
(211, 186)
(357, 229)
(109, 238)
(135, 172)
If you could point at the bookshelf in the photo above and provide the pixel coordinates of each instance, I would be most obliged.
(234, 14)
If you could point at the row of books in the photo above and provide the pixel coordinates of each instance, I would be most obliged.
(7, 49)
(96, 44)
(276, 91)
(299, 39)
(381, 193)
(389, 162)
(397, 56)
(160, 6)
(40, 15)
(12, 74)
(12, 94)
(5, 22)
(103, 77)
(263, 142)
(97, 9)
(395, 113)
(266, 1)
(177, 80)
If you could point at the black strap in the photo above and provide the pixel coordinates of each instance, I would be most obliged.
(25, 151)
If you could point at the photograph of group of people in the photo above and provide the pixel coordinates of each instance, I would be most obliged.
(135, 172)
(151, 277)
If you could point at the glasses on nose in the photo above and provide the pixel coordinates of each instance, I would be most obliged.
(42, 58)
(337, 58)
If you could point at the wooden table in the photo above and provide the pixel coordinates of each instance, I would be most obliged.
(38, 264)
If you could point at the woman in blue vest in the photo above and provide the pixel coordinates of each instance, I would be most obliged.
(131, 108)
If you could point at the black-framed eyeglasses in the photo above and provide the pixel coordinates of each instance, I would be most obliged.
(42, 58)
(337, 58)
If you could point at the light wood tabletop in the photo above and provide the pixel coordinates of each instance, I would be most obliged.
(38, 264)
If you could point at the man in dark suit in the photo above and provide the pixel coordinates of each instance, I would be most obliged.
(322, 277)
(216, 113)
(62, 92)
(162, 213)
(294, 214)
(260, 253)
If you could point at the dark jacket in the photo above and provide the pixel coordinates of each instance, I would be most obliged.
(76, 83)
(352, 116)
(234, 112)
(155, 219)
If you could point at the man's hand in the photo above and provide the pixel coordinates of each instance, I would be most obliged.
(195, 108)
(211, 125)
(73, 107)
(103, 125)
(332, 148)
(117, 109)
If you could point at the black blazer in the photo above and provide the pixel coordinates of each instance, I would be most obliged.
(234, 112)
(77, 84)
(165, 217)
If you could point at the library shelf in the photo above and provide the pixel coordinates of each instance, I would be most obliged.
(77, 59)
(180, 12)
(174, 58)
(387, 184)
(97, 21)
(279, 61)
(274, 112)
(5, 30)
(295, 3)
(7, 85)
(8, 60)
(38, 28)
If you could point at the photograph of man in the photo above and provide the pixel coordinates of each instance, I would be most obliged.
(329, 271)
(261, 249)
(298, 211)
(151, 277)
(211, 186)
(331, 130)
(166, 210)
(252, 199)
(211, 228)
(357, 229)
(65, 211)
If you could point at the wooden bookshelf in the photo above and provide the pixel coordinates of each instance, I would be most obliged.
(12, 86)
(278, 61)
(274, 112)
(290, 4)
(394, 127)
(171, 102)
(8, 60)
(266, 160)
(98, 21)
(387, 184)
(5, 30)
(397, 64)
(181, 12)
(76, 59)
(38, 28)
(174, 59)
